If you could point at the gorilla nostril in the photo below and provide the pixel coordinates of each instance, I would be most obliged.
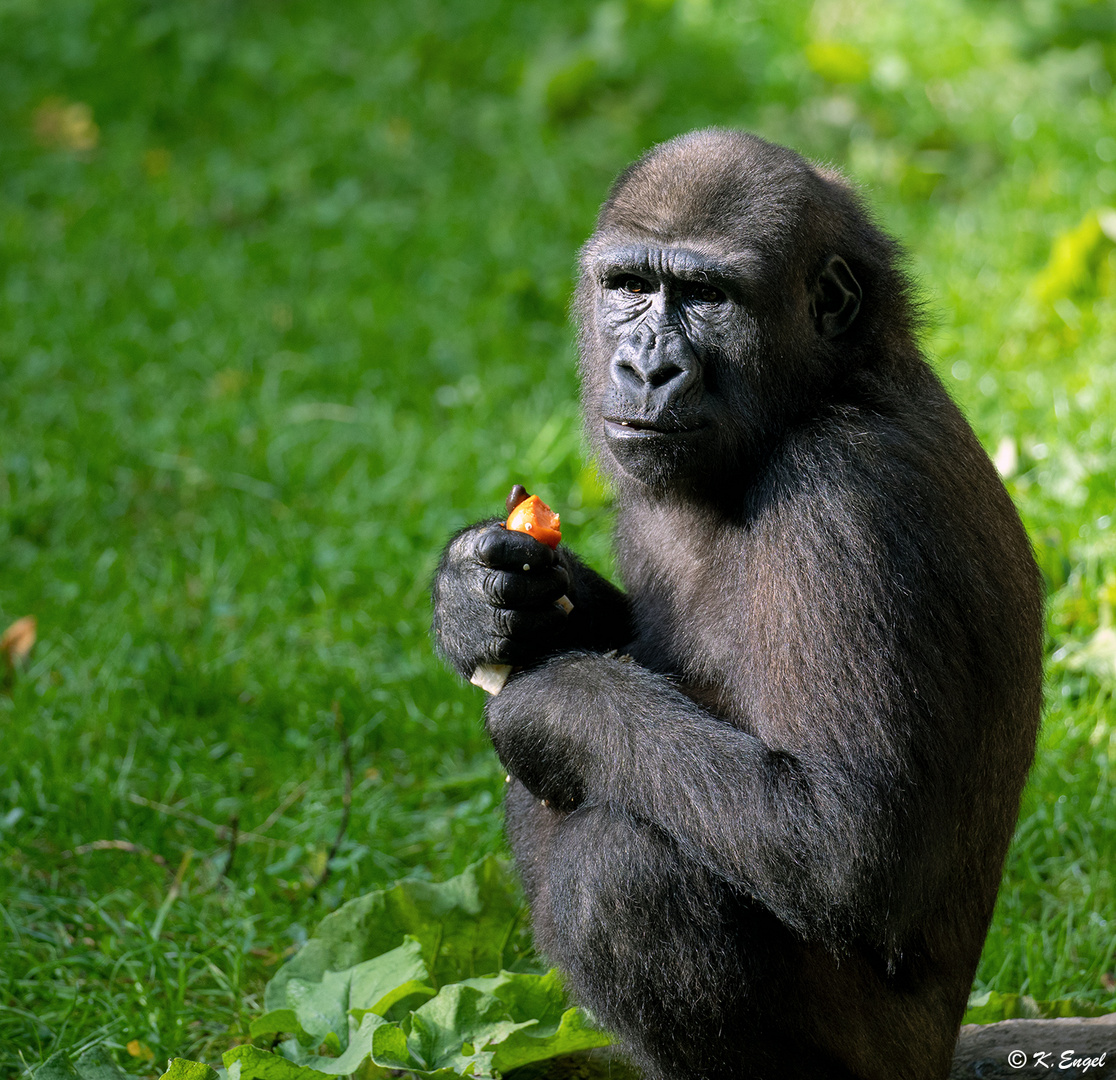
(624, 371)
(661, 376)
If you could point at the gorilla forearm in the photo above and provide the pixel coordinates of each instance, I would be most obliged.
(591, 731)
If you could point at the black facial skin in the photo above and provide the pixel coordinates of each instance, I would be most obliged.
(660, 312)
(765, 840)
(677, 321)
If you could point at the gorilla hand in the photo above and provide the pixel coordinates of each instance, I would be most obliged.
(525, 721)
(495, 594)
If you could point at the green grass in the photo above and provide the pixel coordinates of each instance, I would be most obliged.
(299, 313)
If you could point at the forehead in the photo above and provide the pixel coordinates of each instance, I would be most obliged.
(690, 258)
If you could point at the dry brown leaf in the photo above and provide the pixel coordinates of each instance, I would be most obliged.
(66, 125)
(140, 1050)
(18, 640)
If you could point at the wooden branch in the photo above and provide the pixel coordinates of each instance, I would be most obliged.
(1028, 1049)
(118, 845)
(220, 831)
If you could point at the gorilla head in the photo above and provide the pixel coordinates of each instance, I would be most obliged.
(722, 271)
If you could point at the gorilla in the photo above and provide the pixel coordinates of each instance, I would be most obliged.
(760, 799)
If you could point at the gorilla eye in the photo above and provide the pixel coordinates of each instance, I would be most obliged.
(629, 283)
(707, 294)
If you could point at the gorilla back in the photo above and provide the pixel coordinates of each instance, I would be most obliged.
(766, 841)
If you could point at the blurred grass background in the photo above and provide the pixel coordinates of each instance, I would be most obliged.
(283, 301)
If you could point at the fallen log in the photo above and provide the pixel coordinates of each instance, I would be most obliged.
(1072, 1047)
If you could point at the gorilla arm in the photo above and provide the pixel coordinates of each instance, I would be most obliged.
(798, 833)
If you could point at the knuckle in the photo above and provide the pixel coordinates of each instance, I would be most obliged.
(526, 550)
(493, 586)
(519, 589)
(484, 533)
(487, 545)
(466, 542)
(505, 622)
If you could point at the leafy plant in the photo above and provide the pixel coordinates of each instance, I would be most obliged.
(436, 980)
(992, 1007)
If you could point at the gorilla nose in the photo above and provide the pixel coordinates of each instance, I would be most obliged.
(667, 365)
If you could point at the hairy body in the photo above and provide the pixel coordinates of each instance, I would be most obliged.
(767, 839)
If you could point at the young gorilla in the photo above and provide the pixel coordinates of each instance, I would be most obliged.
(767, 840)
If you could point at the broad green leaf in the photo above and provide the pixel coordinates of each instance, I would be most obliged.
(477, 1025)
(474, 1028)
(57, 1067)
(389, 1046)
(574, 1031)
(526, 995)
(471, 925)
(557, 1027)
(375, 1047)
(181, 1069)
(96, 1064)
(278, 1021)
(378, 983)
(251, 1063)
(455, 1029)
(411, 988)
(362, 1045)
(322, 1008)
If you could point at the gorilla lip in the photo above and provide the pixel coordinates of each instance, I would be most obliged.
(618, 428)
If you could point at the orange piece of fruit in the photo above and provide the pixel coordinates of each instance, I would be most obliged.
(534, 517)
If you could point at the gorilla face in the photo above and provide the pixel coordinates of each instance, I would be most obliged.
(709, 299)
(691, 356)
(660, 315)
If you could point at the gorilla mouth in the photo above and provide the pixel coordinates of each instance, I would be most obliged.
(617, 427)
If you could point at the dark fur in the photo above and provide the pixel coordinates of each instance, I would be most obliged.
(770, 843)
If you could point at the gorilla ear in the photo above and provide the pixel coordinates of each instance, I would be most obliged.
(836, 298)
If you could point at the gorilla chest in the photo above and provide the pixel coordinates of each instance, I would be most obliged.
(695, 604)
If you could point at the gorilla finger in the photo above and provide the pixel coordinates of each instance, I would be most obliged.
(514, 589)
(463, 545)
(507, 650)
(505, 549)
(529, 624)
(516, 651)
